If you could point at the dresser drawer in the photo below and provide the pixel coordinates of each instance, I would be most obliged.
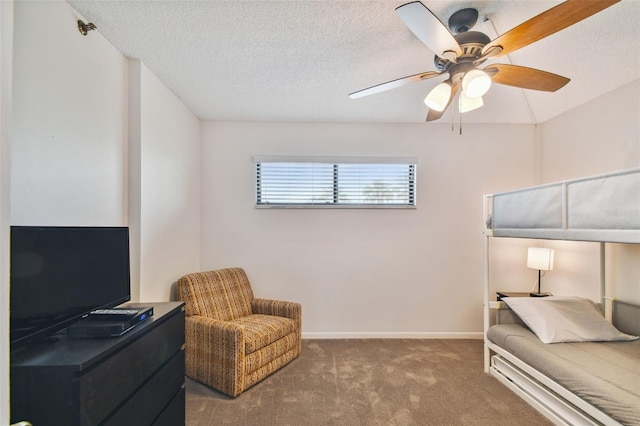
(154, 395)
(174, 414)
(101, 390)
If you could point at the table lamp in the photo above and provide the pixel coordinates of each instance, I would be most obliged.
(541, 259)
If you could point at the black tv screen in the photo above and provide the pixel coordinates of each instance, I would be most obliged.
(59, 274)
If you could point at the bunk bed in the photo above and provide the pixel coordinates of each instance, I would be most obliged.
(573, 381)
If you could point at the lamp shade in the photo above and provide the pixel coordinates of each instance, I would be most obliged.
(476, 83)
(540, 258)
(438, 97)
(466, 104)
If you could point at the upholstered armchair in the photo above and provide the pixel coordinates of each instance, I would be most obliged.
(232, 339)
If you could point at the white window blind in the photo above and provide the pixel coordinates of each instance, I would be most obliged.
(322, 182)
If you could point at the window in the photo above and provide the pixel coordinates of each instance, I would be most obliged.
(335, 182)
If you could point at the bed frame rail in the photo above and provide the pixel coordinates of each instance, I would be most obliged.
(602, 208)
(551, 399)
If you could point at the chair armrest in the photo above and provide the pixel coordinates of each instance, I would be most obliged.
(215, 353)
(224, 331)
(278, 308)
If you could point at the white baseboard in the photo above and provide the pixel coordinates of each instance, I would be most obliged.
(392, 335)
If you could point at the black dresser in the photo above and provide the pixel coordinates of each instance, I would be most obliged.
(135, 379)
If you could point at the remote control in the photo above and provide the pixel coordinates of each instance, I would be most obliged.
(114, 312)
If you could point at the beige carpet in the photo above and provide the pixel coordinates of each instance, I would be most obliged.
(370, 382)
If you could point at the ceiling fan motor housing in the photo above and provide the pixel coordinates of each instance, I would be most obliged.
(471, 44)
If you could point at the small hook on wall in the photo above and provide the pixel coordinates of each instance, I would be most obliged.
(85, 28)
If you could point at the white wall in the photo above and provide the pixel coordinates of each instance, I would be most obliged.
(73, 152)
(70, 157)
(600, 136)
(169, 189)
(69, 121)
(6, 61)
(401, 272)
(623, 271)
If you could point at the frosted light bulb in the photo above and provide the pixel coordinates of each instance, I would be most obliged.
(438, 98)
(476, 83)
(466, 104)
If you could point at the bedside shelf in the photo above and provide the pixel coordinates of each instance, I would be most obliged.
(501, 294)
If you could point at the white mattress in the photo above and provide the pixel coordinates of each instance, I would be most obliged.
(605, 374)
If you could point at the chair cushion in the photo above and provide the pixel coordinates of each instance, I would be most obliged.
(261, 363)
(262, 330)
(223, 294)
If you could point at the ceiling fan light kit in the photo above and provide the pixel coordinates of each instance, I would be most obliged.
(466, 104)
(461, 54)
(438, 97)
(475, 83)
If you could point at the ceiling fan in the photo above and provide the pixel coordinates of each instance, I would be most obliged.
(461, 54)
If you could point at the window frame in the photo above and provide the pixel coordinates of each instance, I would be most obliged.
(411, 162)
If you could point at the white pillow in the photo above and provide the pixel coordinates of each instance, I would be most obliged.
(564, 319)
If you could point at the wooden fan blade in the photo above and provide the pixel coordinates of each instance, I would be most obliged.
(549, 22)
(433, 115)
(526, 78)
(393, 84)
(428, 28)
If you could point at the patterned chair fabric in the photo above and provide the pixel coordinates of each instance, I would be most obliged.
(232, 339)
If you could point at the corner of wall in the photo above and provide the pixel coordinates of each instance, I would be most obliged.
(134, 172)
(164, 185)
(538, 147)
(6, 65)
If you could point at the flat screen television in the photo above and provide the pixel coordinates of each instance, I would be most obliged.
(59, 274)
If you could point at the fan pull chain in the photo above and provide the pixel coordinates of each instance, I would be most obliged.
(453, 113)
(453, 116)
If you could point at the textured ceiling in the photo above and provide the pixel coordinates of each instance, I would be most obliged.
(298, 60)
